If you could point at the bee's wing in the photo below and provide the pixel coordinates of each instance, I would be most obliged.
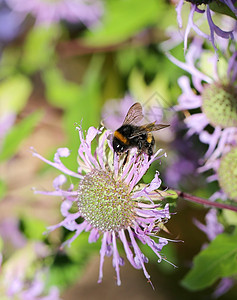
(134, 114)
(147, 128)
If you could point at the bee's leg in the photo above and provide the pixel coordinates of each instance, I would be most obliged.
(149, 152)
(139, 145)
(125, 158)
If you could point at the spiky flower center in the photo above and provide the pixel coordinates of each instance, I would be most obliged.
(220, 104)
(104, 202)
(227, 174)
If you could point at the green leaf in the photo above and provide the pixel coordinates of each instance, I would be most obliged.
(18, 133)
(218, 260)
(33, 228)
(230, 216)
(14, 93)
(60, 92)
(10, 58)
(86, 110)
(63, 274)
(222, 8)
(81, 249)
(124, 18)
(38, 49)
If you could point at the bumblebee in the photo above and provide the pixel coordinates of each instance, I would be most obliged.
(130, 135)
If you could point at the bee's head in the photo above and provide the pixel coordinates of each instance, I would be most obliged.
(118, 146)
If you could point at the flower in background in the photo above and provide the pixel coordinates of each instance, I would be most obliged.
(22, 276)
(17, 282)
(111, 202)
(205, 8)
(10, 23)
(181, 170)
(212, 229)
(211, 112)
(114, 111)
(87, 12)
(154, 110)
(10, 233)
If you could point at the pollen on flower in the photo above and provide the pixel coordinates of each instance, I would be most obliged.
(104, 202)
(220, 105)
(227, 174)
(111, 203)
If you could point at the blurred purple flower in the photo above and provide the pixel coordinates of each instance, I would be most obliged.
(223, 287)
(212, 227)
(87, 12)
(214, 29)
(18, 279)
(110, 201)
(114, 111)
(9, 231)
(32, 290)
(182, 166)
(6, 122)
(10, 23)
(216, 101)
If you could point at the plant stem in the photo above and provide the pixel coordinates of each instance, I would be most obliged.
(202, 201)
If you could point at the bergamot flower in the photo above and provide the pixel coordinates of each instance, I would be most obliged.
(201, 7)
(211, 110)
(112, 202)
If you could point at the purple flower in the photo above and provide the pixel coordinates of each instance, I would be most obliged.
(9, 231)
(21, 279)
(10, 23)
(214, 103)
(214, 29)
(111, 202)
(212, 227)
(223, 287)
(87, 12)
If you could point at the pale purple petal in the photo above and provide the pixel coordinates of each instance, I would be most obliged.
(188, 99)
(94, 235)
(102, 255)
(138, 253)
(179, 10)
(127, 249)
(116, 259)
(59, 181)
(223, 287)
(212, 227)
(196, 123)
(191, 69)
(61, 152)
